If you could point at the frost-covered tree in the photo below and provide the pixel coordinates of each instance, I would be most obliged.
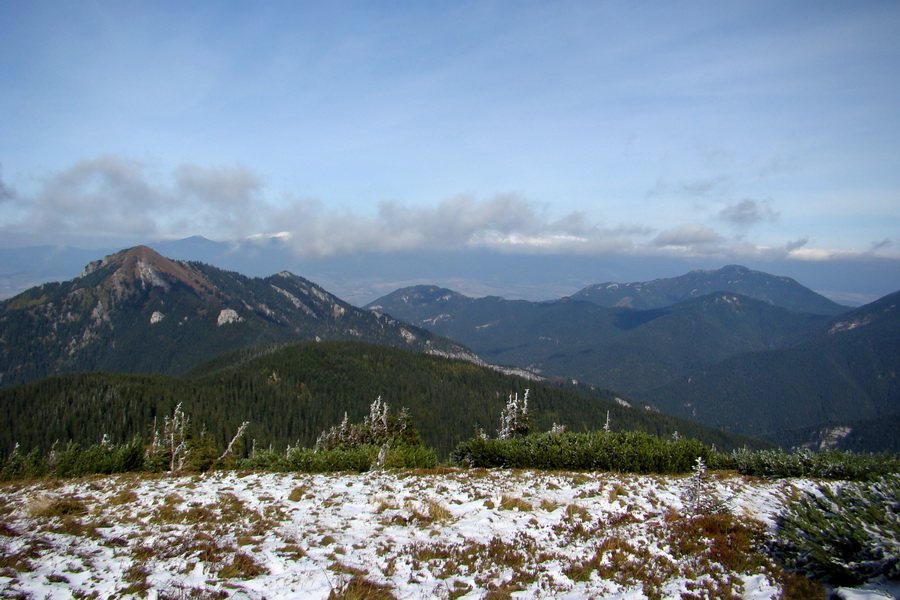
(379, 427)
(515, 421)
(699, 496)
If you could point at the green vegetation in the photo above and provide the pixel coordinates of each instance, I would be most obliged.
(832, 464)
(845, 536)
(627, 451)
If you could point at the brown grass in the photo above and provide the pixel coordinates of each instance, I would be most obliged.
(360, 588)
(242, 566)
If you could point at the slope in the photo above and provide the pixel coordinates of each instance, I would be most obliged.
(137, 311)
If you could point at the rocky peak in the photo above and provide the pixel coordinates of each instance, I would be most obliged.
(142, 267)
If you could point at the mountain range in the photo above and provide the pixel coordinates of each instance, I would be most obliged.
(623, 349)
(734, 349)
(360, 278)
(779, 291)
(748, 365)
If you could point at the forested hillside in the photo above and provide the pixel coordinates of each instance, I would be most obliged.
(847, 370)
(290, 394)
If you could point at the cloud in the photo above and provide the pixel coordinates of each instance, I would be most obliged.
(95, 197)
(109, 201)
(687, 236)
(748, 212)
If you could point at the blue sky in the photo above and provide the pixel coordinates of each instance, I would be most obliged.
(728, 130)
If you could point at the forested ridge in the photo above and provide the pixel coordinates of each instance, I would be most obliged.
(291, 393)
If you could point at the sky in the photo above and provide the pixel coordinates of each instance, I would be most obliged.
(731, 130)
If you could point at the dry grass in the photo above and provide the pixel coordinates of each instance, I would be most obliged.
(48, 507)
(242, 566)
(515, 503)
(360, 588)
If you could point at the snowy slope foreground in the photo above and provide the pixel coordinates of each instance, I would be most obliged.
(443, 534)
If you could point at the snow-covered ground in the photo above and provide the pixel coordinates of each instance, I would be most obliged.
(435, 534)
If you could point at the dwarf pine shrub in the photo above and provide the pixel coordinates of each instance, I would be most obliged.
(845, 536)
(628, 451)
(832, 464)
(74, 461)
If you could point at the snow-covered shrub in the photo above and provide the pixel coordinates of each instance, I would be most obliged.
(847, 536)
(179, 446)
(381, 440)
(360, 458)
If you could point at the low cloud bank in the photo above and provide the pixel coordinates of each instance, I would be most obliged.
(113, 200)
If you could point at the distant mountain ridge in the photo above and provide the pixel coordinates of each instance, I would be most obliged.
(617, 348)
(777, 290)
(137, 311)
(844, 372)
(724, 359)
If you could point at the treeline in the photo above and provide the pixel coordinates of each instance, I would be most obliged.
(289, 394)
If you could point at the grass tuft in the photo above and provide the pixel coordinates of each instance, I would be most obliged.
(242, 566)
(361, 588)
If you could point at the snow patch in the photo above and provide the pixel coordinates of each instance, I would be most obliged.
(371, 518)
(440, 317)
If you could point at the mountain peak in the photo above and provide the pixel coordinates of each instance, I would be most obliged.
(143, 267)
(774, 289)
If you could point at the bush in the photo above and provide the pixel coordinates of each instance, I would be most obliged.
(359, 458)
(629, 451)
(833, 464)
(843, 537)
(75, 461)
